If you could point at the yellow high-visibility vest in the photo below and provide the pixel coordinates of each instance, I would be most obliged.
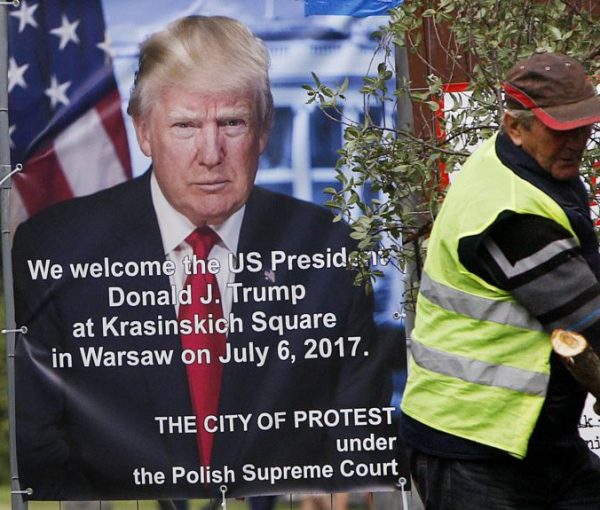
(480, 362)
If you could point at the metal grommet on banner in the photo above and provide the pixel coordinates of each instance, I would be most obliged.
(28, 491)
(223, 489)
(23, 330)
(17, 169)
(14, 3)
(402, 483)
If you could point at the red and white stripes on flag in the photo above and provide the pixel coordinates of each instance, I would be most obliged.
(89, 155)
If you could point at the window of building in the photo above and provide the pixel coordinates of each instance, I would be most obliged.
(325, 139)
(278, 153)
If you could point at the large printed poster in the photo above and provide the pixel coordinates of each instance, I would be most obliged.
(194, 331)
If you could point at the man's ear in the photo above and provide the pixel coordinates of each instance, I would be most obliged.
(264, 139)
(513, 128)
(142, 135)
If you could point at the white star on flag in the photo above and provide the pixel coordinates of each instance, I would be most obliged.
(106, 47)
(66, 32)
(15, 74)
(57, 92)
(25, 15)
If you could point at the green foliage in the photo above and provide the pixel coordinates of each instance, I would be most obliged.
(481, 40)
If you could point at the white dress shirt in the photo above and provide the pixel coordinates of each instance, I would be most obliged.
(175, 227)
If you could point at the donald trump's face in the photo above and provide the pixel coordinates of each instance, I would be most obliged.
(205, 148)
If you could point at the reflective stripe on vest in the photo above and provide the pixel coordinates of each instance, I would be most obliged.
(502, 312)
(479, 372)
(537, 259)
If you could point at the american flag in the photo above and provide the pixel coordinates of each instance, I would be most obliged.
(66, 125)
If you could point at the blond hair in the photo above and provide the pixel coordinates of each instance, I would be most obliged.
(207, 53)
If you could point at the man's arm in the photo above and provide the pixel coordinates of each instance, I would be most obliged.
(540, 263)
(365, 383)
(365, 378)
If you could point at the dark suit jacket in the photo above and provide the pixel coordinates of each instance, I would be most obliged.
(83, 431)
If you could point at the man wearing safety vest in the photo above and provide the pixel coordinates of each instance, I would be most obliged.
(489, 413)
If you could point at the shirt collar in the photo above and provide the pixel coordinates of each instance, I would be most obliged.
(175, 227)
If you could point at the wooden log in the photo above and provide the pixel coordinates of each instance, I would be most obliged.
(580, 359)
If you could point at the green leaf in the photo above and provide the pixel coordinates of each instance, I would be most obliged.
(434, 106)
(556, 33)
(344, 86)
(357, 235)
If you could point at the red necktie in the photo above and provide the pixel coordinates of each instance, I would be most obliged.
(204, 378)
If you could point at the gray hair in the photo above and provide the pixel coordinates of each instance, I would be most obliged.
(207, 53)
(524, 118)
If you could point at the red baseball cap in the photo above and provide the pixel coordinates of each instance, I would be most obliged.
(555, 88)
